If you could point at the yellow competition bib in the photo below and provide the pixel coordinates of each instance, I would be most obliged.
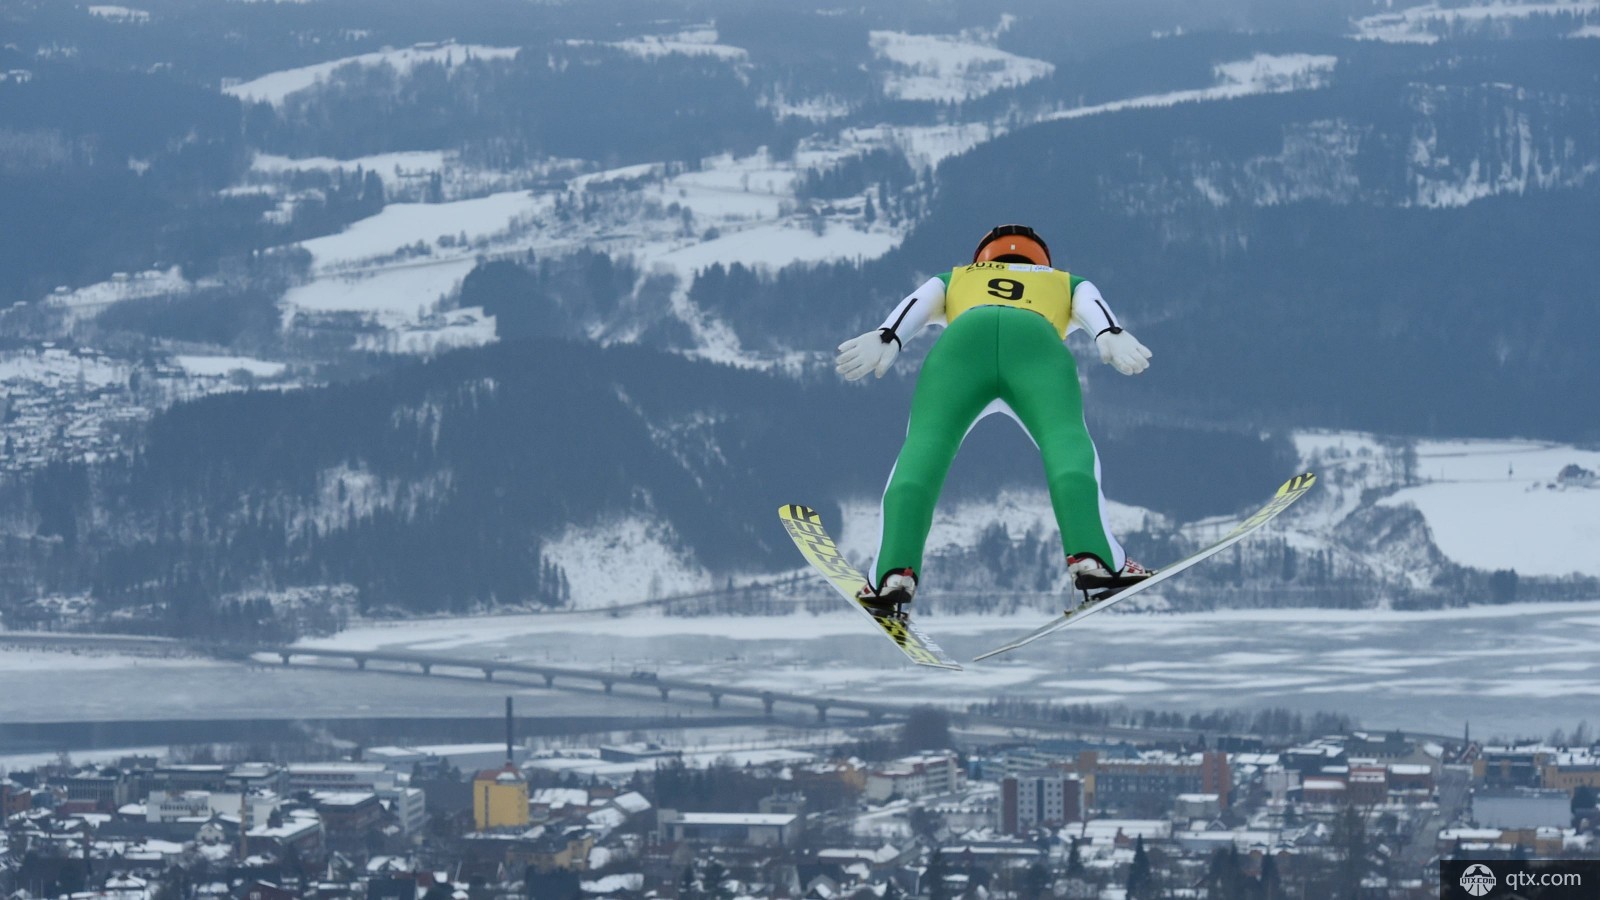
(1040, 289)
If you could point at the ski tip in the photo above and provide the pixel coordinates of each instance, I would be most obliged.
(1298, 484)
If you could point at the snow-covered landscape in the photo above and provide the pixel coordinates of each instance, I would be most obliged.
(395, 399)
(1515, 667)
(389, 282)
(396, 266)
(276, 87)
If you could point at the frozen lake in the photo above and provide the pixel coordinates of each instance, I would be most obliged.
(1508, 670)
(1523, 669)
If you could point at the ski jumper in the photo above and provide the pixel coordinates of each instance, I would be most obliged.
(1002, 350)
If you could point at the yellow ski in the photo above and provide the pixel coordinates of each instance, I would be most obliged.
(805, 527)
(1292, 490)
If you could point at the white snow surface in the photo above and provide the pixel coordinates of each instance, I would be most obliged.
(403, 224)
(22, 762)
(949, 68)
(1497, 505)
(691, 42)
(89, 301)
(276, 86)
(1260, 74)
(1421, 24)
(23, 660)
(626, 559)
(119, 13)
(614, 884)
(815, 109)
(398, 296)
(774, 246)
(391, 167)
(463, 327)
(55, 367)
(925, 146)
(1522, 162)
(216, 366)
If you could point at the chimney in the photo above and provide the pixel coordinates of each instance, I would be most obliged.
(510, 757)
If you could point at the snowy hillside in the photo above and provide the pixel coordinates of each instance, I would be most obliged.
(442, 313)
(1432, 22)
(1525, 506)
(1485, 505)
(730, 208)
(277, 87)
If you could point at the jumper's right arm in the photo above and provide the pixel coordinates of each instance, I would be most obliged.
(875, 351)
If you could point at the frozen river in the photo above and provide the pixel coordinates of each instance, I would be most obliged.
(1508, 670)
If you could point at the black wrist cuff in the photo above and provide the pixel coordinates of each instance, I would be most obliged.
(1115, 329)
(887, 334)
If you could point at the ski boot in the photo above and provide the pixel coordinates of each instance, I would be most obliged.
(1097, 582)
(892, 594)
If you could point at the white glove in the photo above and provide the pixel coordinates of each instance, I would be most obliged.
(1123, 351)
(871, 352)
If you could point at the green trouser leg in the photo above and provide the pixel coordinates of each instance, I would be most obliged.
(995, 353)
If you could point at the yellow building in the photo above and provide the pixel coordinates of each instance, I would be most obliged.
(500, 798)
(1567, 771)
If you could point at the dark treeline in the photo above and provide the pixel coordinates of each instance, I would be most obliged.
(112, 171)
(883, 169)
(1271, 722)
(241, 312)
(434, 487)
(574, 101)
(808, 305)
(107, 171)
(549, 297)
(438, 485)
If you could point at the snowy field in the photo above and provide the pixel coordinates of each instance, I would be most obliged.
(693, 42)
(55, 367)
(404, 224)
(119, 14)
(667, 221)
(394, 168)
(394, 295)
(1500, 506)
(949, 69)
(223, 366)
(90, 300)
(275, 87)
(774, 246)
(1260, 74)
(1423, 24)
(1488, 504)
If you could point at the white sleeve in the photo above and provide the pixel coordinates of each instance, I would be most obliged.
(1089, 310)
(912, 314)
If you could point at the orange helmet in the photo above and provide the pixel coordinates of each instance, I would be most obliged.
(1012, 243)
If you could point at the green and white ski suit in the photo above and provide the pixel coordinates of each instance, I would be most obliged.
(1002, 350)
